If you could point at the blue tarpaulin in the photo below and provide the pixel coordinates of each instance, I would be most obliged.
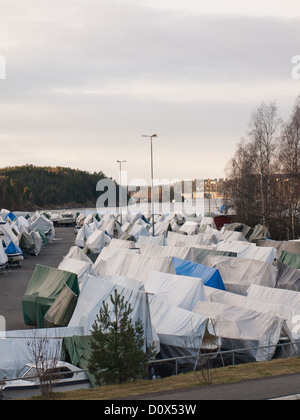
(211, 276)
(11, 216)
(13, 249)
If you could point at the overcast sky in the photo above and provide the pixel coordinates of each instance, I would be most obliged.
(86, 78)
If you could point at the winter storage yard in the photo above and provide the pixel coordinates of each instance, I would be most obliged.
(196, 289)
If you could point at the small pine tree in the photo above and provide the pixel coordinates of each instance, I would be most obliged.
(117, 345)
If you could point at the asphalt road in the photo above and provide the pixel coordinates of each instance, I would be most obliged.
(14, 284)
(252, 390)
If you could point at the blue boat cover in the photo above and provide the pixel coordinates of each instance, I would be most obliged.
(13, 249)
(211, 276)
(11, 216)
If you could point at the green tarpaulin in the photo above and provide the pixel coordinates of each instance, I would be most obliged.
(291, 259)
(77, 351)
(42, 235)
(44, 287)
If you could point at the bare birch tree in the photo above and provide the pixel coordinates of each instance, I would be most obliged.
(45, 356)
(289, 161)
(264, 136)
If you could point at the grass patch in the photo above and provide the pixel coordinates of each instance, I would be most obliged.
(224, 375)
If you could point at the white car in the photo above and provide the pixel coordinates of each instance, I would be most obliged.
(68, 378)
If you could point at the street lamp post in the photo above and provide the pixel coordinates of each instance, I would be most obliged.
(152, 189)
(120, 187)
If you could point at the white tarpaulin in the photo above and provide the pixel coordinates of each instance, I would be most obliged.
(229, 236)
(138, 266)
(239, 273)
(97, 241)
(159, 240)
(125, 282)
(75, 266)
(16, 348)
(241, 327)
(39, 221)
(175, 239)
(38, 242)
(110, 259)
(287, 300)
(9, 235)
(3, 256)
(181, 332)
(82, 235)
(111, 226)
(78, 254)
(120, 243)
(235, 246)
(184, 253)
(96, 290)
(181, 291)
(189, 227)
(260, 253)
(228, 298)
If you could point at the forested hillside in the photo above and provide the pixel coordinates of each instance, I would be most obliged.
(30, 187)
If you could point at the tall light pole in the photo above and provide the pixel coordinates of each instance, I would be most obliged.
(152, 190)
(120, 187)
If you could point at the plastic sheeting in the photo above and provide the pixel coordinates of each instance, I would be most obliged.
(95, 291)
(97, 241)
(138, 266)
(190, 227)
(61, 311)
(45, 225)
(291, 259)
(181, 291)
(125, 282)
(120, 243)
(181, 332)
(3, 255)
(159, 240)
(174, 239)
(27, 243)
(44, 287)
(287, 277)
(82, 235)
(77, 350)
(288, 302)
(9, 235)
(130, 264)
(242, 327)
(249, 250)
(15, 350)
(239, 273)
(202, 253)
(110, 259)
(38, 243)
(78, 254)
(229, 236)
(13, 249)
(288, 246)
(210, 275)
(184, 253)
(228, 298)
(75, 266)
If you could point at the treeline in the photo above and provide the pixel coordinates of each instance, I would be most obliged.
(30, 187)
(263, 183)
